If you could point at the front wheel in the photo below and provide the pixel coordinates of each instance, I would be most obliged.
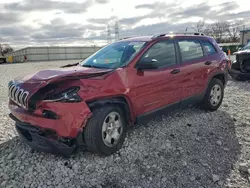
(214, 95)
(106, 130)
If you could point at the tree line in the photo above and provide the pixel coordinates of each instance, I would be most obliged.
(222, 31)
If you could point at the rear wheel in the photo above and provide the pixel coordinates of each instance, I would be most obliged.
(106, 130)
(214, 95)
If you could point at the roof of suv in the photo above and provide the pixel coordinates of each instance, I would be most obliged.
(151, 38)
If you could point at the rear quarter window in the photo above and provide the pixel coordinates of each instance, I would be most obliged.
(209, 48)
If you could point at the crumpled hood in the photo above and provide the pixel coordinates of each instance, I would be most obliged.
(77, 71)
(21, 89)
(242, 52)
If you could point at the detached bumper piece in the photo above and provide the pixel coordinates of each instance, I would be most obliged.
(44, 140)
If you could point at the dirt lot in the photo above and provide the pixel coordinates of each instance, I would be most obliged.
(188, 148)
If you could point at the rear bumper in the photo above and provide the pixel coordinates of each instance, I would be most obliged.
(44, 141)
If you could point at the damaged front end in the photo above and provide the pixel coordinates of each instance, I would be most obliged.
(53, 118)
(240, 69)
(49, 110)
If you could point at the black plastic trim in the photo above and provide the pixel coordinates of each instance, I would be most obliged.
(160, 111)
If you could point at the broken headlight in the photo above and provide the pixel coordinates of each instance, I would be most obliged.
(69, 95)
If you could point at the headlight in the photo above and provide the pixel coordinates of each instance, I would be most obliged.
(69, 95)
(235, 61)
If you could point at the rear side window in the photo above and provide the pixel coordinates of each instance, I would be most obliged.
(209, 48)
(190, 49)
(163, 52)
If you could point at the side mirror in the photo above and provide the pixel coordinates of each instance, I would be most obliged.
(147, 63)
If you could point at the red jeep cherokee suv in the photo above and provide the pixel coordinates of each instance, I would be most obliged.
(92, 102)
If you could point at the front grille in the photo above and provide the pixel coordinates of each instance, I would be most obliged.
(18, 95)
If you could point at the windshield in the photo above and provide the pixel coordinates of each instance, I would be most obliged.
(114, 55)
(247, 47)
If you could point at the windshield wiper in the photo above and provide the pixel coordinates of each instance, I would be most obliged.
(92, 66)
(69, 65)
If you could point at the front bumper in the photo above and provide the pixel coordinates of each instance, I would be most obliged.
(43, 141)
(70, 118)
(238, 75)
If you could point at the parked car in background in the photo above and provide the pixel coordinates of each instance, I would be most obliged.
(240, 69)
(94, 101)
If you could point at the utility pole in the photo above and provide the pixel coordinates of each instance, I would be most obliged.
(108, 34)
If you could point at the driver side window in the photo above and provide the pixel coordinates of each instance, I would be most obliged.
(163, 52)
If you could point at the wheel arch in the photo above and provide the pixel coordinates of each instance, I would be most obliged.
(222, 76)
(121, 100)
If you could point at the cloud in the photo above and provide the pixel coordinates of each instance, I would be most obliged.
(164, 27)
(244, 15)
(102, 1)
(194, 10)
(58, 29)
(8, 18)
(46, 5)
(228, 6)
(132, 20)
(63, 29)
(175, 13)
(152, 6)
(102, 21)
(157, 10)
(11, 31)
(205, 11)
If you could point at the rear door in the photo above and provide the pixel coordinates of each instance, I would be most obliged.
(211, 64)
(192, 62)
(156, 88)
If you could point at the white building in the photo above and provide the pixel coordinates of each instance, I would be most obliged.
(52, 53)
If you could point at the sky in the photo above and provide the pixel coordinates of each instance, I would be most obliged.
(84, 22)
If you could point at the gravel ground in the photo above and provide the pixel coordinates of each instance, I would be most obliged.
(188, 148)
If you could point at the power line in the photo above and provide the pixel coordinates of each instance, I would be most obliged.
(117, 31)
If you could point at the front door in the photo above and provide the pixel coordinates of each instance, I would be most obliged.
(158, 87)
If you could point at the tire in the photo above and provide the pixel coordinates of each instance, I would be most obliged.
(94, 134)
(208, 102)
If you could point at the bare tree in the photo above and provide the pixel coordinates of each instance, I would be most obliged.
(1, 50)
(5, 49)
(219, 30)
(234, 31)
(200, 26)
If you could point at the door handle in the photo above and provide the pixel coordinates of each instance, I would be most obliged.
(175, 71)
(208, 63)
